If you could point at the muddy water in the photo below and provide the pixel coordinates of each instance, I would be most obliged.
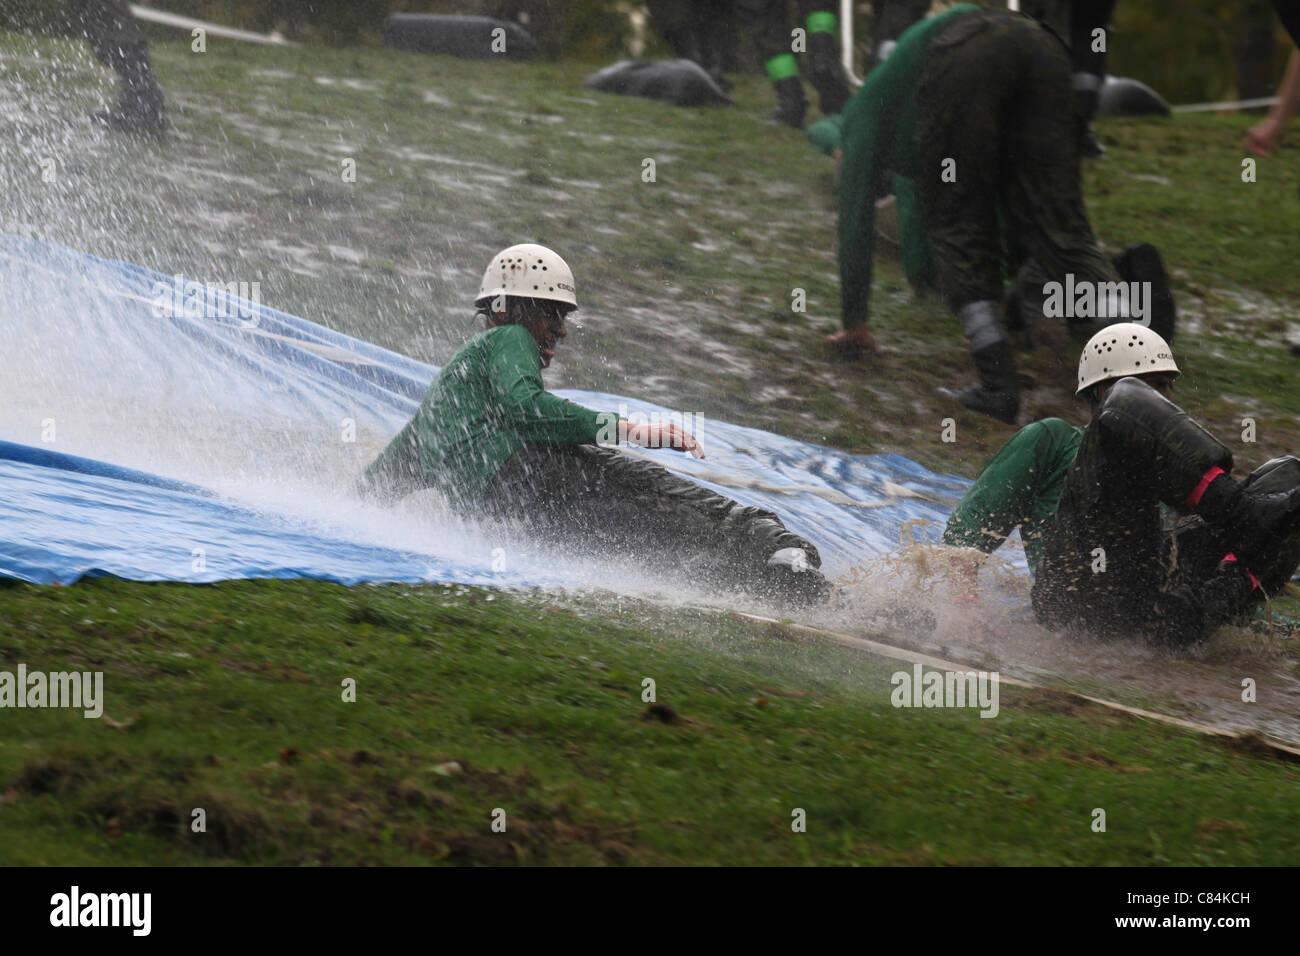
(918, 599)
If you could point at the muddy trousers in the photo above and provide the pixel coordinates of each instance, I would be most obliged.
(108, 25)
(1114, 564)
(601, 502)
(117, 42)
(996, 130)
(769, 22)
(1086, 17)
(700, 30)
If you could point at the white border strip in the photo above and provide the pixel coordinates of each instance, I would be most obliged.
(1278, 744)
(213, 29)
(1230, 105)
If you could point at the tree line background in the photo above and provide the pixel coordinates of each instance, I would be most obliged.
(1188, 50)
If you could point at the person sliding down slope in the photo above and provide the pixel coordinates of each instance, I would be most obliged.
(496, 444)
(1105, 557)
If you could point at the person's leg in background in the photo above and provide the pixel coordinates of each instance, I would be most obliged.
(715, 26)
(1042, 188)
(825, 71)
(963, 103)
(769, 23)
(1088, 53)
(117, 42)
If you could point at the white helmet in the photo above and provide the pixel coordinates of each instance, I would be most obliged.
(529, 271)
(1124, 348)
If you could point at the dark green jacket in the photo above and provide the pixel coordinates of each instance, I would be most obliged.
(487, 401)
(1019, 488)
(879, 135)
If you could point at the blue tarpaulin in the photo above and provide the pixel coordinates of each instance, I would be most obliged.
(158, 429)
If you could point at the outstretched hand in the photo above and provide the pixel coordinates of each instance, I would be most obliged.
(660, 436)
(1262, 137)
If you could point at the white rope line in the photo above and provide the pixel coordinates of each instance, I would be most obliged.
(213, 29)
(1288, 747)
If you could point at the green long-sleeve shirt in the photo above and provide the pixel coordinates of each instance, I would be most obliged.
(1020, 487)
(485, 404)
(879, 134)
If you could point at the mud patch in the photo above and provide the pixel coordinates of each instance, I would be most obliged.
(924, 598)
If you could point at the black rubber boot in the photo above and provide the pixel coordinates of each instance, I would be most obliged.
(1141, 262)
(827, 74)
(998, 393)
(790, 103)
(1276, 475)
(1024, 308)
(139, 107)
(790, 579)
(1256, 523)
(1089, 145)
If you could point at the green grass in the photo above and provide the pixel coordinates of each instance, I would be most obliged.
(228, 698)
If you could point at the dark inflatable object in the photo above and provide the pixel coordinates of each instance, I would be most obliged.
(458, 36)
(679, 82)
(1121, 96)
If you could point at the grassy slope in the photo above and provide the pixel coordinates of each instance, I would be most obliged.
(228, 698)
(542, 704)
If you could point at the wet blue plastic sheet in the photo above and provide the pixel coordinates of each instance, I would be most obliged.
(66, 516)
